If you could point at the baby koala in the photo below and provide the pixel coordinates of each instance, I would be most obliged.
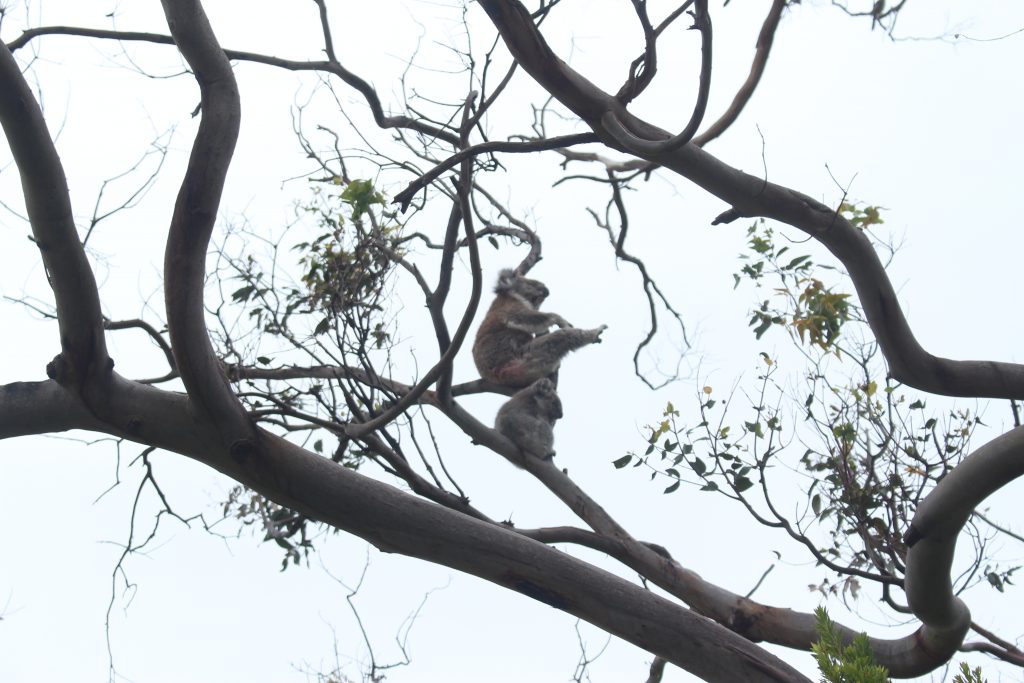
(527, 419)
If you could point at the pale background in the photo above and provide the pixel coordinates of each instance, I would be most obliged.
(928, 129)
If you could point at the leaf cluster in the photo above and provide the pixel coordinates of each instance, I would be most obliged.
(840, 663)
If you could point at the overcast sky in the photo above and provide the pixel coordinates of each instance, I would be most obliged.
(928, 129)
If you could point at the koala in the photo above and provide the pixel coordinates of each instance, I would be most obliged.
(513, 346)
(528, 417)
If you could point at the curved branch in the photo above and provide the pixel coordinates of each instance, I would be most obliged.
(350, 79)
(404, 197)
(644, 67)
(395, 521)
(83, 347)
(938, 522)
(994, 650)
(651, 288)
(622, 135)
(752, 196)
(195, 211)
(148, 329)
(764, 47)
(996, 646)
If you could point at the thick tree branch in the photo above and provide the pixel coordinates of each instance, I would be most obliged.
(751, 196)
(195, 212)
(40, 408)
(905, 657)
(83, 348)
(614, 127)
(398, 522)
(939, 520)
(764, 47)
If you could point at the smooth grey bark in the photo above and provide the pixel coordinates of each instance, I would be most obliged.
(750, 196)
(195, 212)
(209, 425)
(944, 628)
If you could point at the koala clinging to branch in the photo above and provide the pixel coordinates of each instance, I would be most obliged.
(527, 418)
(513, 347)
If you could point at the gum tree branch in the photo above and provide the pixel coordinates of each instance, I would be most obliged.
(625, 137)
(763, 48)
(944, 625)
(137, 323)
(444, 363)
(912, 655)
(404, 197)
(195, 212)
(40, 408)
(83, 356)
(750, 196)
(332, 67)
(941, 517)
(318, 487)
(398, 522)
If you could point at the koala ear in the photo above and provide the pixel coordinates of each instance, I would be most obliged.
(506, 280)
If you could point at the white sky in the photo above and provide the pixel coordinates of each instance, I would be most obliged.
(928, 129)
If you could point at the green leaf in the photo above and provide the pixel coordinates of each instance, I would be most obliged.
(672, 488)
(742, 484)
(243, 293)
(360, 195)
(623, 461)
(796, 262)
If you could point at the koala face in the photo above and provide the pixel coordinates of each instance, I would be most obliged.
(532, 291)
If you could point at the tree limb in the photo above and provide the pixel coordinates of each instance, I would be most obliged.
(764, 47)
(195, 212)
(751, 196)
(83, 354)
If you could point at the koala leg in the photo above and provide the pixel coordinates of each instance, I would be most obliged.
(546, 351)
